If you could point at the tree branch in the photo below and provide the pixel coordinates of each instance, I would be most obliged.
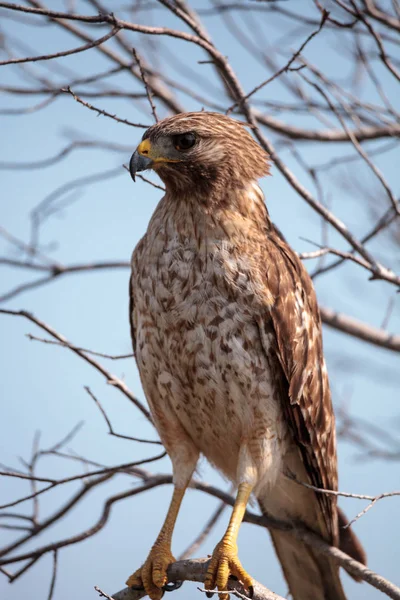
(195, 570)
(83, 48)
(360, 330)
(111, 379)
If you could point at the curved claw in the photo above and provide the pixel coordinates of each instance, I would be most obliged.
(171, 587)
(225, 563)
(152, 575)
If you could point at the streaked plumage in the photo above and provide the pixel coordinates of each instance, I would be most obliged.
(227, 338)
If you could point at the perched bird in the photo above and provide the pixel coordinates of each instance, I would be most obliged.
(227, 338)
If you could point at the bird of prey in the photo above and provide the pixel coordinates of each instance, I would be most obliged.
(227, 338)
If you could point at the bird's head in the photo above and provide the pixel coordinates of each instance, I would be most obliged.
(200, 153)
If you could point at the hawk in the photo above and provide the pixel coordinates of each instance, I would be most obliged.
(227, 338)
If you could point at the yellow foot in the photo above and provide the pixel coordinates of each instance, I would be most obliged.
(225, 563)
(152, 575)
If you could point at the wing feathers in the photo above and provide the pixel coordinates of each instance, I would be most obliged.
(296, 324)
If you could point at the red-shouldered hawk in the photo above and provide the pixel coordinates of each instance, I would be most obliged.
(227, 338)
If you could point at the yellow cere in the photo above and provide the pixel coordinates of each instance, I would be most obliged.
(145, 149)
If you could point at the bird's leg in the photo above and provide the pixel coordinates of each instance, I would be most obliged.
(224, 561)
(153, 573)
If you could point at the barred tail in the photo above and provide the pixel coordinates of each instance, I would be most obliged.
(309, 576)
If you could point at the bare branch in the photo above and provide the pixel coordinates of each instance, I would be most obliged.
(352, 105)
(195, 570)
(48, 162)
(123, 468)
(286, 67)
(155, 185)
(53, 576)
(56, 271)
(382, 52)
(296, 133)
(379, 15)
(111, 379)
(373, 499)
(23, 476)
(360, 330)
(341, 322)
(148, 93)
(86, 350)
(356, 144)
(100, 111)
(110, 428)
(60, 54)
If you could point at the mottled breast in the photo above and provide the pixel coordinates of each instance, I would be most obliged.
(198, 298)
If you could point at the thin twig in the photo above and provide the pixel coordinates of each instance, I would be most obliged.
(355, 142)
(83, 48)
(86, 350)
(148, 92)
(143, 178)
(373, 499)
(102, 594)
(118, 469)
(100, 111)
(110, 428)
(53, 576)
(111, 379)
(285, 68)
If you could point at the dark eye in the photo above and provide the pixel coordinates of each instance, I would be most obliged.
(184, 141)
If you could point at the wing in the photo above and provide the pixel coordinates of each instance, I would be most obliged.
(131, 308)
(295, 328)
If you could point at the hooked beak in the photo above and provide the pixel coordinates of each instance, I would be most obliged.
(147, 156)
(138, 162)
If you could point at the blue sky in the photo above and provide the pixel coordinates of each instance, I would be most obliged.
(42, 387)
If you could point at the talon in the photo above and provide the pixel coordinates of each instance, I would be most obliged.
(251, 591)
(225, 563)
(152, 576)
(171, 587)
(135, 580)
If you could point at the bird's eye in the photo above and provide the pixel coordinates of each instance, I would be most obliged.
(184, 141)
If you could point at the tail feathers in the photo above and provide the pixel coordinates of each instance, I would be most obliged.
(349, 542)
(309, 576)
